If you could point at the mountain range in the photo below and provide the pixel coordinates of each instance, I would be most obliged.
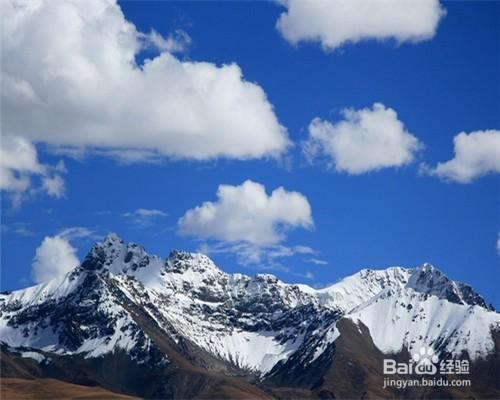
(132, 324)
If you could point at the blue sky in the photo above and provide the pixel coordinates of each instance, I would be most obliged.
(383, 217)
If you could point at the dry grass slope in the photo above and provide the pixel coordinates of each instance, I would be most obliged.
(26, 389)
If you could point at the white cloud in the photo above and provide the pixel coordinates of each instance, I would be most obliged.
(18, 161)
(77, 232)
(250, 225)
(54, 256)
(70, 79)
(365, 140)
(19, 164)
(334, 23)
(176, 42)
(267, 257)
(149, 212)
(144, 217)
(476, 154)
(54, 186)
(317, 261)
(498, 243)
(245, 213)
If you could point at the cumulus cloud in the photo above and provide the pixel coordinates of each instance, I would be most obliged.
(475, 154)
(18, 161)
(70, 79)
(246, 213)
(144, 217)
(54, 256)
(19, 167)
(250, 225)
(334, 23)
(365, 140)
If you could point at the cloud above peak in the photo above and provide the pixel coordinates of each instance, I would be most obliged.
(70, 79)
(144, 217)
(246, 213)
(334, 23)
(365, 140)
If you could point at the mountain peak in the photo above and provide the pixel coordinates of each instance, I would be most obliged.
(427, 267)
(180, 254)
(112, 238)
(103, 253)
(181, 261)
(114, 255)
(430, 280)
(120, 294)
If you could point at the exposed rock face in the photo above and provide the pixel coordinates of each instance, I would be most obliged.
(184, 317)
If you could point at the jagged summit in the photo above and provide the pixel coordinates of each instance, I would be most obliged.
(432, 281)
(102, 254)
(114, 255)
(425, 279)
(93, 310)
(180, 261)
(112, 237)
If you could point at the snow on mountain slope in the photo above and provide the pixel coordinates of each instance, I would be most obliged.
(252, 323)
(404, 317)
(362, 286)
(75, 313)
(356, 289)
(230, 316)
(416, 307)
(429, 310)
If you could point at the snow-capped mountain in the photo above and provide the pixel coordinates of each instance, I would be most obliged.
(123, 300)
(416, 307)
